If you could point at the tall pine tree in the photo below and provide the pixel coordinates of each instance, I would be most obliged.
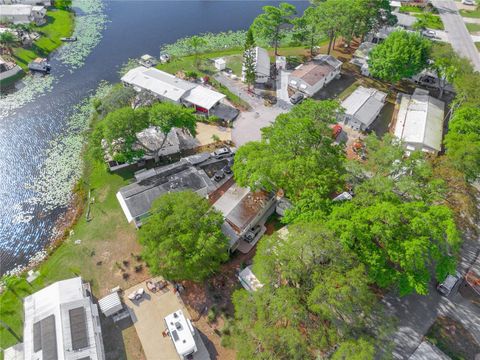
(249, 71)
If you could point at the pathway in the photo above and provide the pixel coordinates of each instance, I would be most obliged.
(458, 34)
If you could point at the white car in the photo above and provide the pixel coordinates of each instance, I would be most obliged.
(468, 2)
(451, 281)
(429, 34)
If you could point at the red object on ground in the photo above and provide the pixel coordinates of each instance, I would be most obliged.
(336, 130)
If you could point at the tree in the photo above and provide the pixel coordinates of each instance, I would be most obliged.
(182, 237)
(332, 18)
(271, 25)
(118, 97)
(315, 293)
(463, 141)
(307, 29)
(120, 128)
(399, 242)
(196, 43)
(361, 349)
(467, 89)
(446, 64)
(298, 143)
(402, 55)
(8, 40)
(166, 116)
(249, 66)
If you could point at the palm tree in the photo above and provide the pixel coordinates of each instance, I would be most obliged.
(8, 40)
(196, 42)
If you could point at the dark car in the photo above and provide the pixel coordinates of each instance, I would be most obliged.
(297, 98)
(252, 233)
(227, 170)
(219, 175)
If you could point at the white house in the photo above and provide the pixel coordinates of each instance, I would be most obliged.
(182, 334)
(362, 107)
(22, 14)
(62, 323)
(310, 78)
(262, 65)
(45, 3)
(420, 122)
(167, 87)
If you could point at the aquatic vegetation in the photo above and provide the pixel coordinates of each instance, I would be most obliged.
(63, 164)
(89, 24)
(33, 87)
(129, 65)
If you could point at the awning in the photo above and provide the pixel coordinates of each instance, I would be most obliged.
(110, 304)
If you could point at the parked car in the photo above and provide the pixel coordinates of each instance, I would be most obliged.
(227, 170)
(429, 34)
(219, 175)
(221, 153)
(468, 2)
(446, 287)
(297, 98)
(252, 233)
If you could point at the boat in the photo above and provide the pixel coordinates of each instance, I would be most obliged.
(40, 65)
(148, 61)
(69, 39)
(164, 58)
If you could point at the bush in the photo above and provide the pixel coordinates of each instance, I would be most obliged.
(212, 314)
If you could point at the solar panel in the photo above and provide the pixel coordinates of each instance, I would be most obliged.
(78, 328)
(37, 336)
(49, 338)
(175, 335)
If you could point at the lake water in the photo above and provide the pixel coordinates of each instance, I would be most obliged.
(39, 139)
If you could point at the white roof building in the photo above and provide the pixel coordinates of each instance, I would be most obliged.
(62, 323)
(26, 2)
(362, 107)
(181, 332)
(110, 304)
(420, 122)
(171, 88)
(22, 14)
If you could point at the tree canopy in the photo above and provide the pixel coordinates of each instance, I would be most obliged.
(298, 143)
(315, 293)
(249, 67)
(182, 238)
(402, 55)
(271, 24)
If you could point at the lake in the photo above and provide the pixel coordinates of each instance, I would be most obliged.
(40, 127)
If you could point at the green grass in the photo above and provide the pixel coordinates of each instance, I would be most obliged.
(429, 21)
(59, 24)
(473, 28)
(410, 8)
(477, 44)
(470, 13)
(235, 62)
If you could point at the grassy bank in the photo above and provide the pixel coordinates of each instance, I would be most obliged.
(59, 24)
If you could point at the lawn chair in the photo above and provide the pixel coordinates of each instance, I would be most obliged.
(137, 295)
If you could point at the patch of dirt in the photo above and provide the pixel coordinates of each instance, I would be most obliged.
(216, 292)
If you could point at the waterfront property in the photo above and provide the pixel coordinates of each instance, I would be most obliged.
(362, 107)
(261, 65)
(8, 69)
(311, 77)
(23, 14)
(196, 173)
(61, 322)
(245, 213)
(419, 122)
(167, 87)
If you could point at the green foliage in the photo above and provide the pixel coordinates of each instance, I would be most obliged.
(298, 143)
(62, 4)
(182, 239)
(466, 87)
(447, 64)
(361, 349)
(315, 293)
(402, 55)
(270, 25)
(463, 141)
(166, 116)
(118, 97)
(8, 39)
(119, 129)
(306, 28)
(428, 20)
(249, 59)
(196, 43)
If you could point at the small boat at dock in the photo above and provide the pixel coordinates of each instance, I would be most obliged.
(69, 39)
(40, 65)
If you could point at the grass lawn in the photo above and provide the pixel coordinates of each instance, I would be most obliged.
(470, 13)
(473, 28)
(59, 24)
(235, 62)
(430, 21)
(106, 242)
(410, 9)
(477, 44)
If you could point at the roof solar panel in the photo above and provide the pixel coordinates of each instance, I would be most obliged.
(37, 336)
(78, 328)
(49, 338)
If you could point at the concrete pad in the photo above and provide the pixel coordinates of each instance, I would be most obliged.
(205, 133)
(148, 317)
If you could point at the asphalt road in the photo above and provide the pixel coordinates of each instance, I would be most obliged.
(457, 32)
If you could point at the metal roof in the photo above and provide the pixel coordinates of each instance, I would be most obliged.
(364, 104)
(427, 351)
(248, 279)
(15, 10)
(420, 120)
(203, 97)
(110, 304)
(182, 333)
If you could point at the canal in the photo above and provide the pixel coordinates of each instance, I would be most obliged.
(40, 129)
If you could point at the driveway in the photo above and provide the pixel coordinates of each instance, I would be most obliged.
(415, 313)
(457, 32)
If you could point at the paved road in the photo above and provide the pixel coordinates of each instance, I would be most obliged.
(458, 34)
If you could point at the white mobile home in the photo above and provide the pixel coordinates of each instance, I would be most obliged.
(262, 65)
(362, 107)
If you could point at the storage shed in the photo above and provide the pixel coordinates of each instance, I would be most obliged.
(110, 304)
